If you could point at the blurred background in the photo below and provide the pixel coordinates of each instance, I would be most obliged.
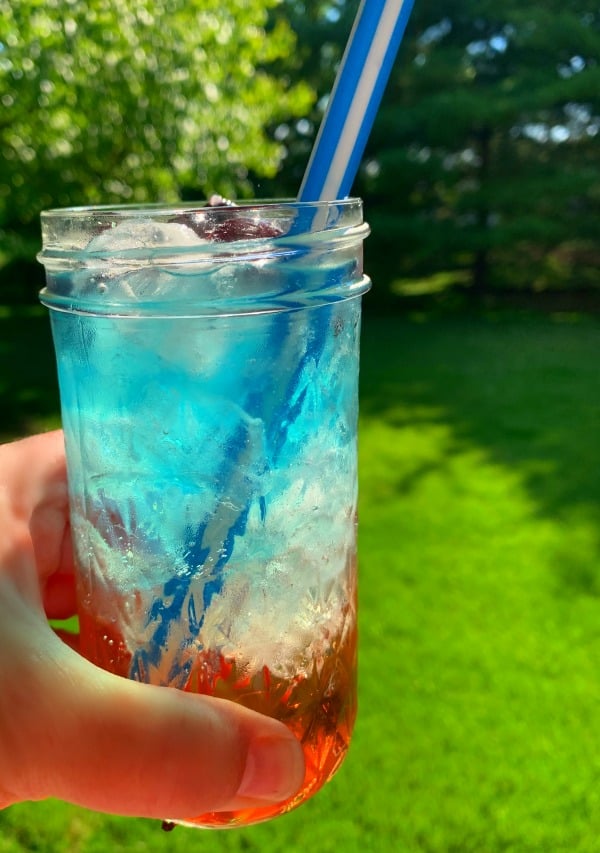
(479, 725)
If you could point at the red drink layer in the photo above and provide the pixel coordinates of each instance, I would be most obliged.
(319, 707)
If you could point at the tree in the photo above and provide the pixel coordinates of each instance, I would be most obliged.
(322, 28)
(484, 159)
(136, 100)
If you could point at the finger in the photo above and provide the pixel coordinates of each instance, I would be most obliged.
(30, 464)
(114, 745)
(49, 522)
(34, 509)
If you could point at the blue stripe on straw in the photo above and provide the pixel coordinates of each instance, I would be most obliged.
(178, 597)
(365, 69)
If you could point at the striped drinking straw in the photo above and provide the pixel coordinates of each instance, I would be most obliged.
(355, 98)
(362, 77)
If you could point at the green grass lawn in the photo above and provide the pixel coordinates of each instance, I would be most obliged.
(479, 723)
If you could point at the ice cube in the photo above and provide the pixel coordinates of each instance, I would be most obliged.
(129, 261)
(145, 234)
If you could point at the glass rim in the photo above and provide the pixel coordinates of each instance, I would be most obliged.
(158, 208)
(68, 233)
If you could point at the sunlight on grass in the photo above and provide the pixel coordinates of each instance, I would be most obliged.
(431, 284)
(479, 587)
(469, 647)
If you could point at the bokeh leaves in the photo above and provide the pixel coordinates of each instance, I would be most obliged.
(136, 100)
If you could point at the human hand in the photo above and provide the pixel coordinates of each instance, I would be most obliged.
(70, 730)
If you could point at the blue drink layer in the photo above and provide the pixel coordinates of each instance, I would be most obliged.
(212, 469)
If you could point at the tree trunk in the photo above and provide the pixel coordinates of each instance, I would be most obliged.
(480, 267)
(479, 272)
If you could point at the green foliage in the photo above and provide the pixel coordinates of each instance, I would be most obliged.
(484, 157)
(108, 101)
(488, 141)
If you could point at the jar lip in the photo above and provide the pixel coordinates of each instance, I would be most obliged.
(188, 233)
(217, 306)
(161, 260)
(164, 209)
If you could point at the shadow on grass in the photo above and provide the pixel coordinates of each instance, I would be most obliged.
(525, 388)
(29, 398)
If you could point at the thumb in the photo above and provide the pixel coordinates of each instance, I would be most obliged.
(70, 730)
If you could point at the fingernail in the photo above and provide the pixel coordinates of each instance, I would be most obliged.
(274, 769)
